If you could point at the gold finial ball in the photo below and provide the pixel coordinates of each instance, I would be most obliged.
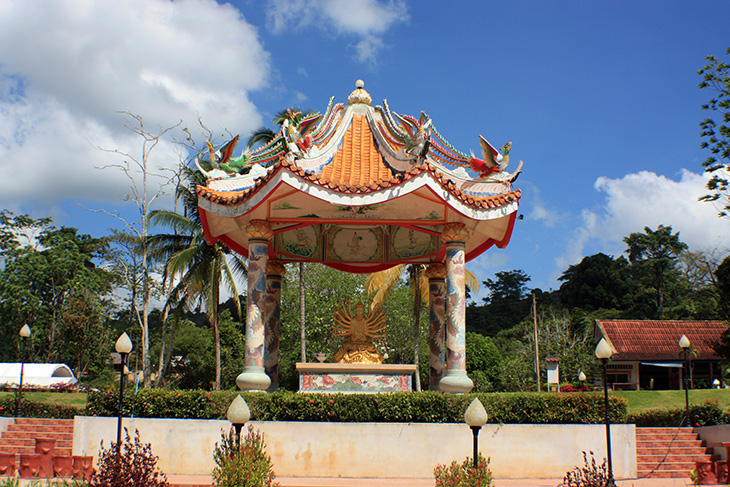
(359, 96)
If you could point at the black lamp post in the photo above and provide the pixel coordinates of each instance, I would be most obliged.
(238, 414)
(684, 344)
(476, 417)
(604, 352)
(24, 333)
(123, 347)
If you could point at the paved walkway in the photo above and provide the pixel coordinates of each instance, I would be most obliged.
(205, 480)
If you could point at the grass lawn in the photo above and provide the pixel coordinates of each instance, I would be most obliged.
(77, 399)
(643, 400)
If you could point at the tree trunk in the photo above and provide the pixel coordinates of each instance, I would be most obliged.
(168, 354)
(161, 364)
(416, 276)
(216, 338)
(302, 327)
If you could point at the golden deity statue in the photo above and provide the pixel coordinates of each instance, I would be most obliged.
(359, 331)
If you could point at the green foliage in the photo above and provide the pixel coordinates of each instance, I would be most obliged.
(483, 361)
(464, 474)
(597, 282)
(242, 464)
(716, 135)
(134, 466)
(707, 414)
(33, 409)
(423, 407)
(590, 475)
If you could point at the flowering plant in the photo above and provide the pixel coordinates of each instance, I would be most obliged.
(464, 474)
(242, 463)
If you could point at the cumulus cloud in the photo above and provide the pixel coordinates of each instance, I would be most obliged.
(646, 199)
(68, 68)
(367, 20)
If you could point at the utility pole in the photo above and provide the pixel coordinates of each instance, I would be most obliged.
(537, 345)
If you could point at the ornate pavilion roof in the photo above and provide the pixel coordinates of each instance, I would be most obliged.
(359, 188)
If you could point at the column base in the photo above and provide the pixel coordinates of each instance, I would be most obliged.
(456, 381)
(253, 379)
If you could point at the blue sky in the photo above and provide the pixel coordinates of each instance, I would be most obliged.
(599, 99)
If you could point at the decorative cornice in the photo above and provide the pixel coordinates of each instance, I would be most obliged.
(435, 271)
(275, 268)
(259, 229)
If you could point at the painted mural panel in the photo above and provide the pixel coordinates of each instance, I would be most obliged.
(354, 244)
(407, 243)
(300, 242)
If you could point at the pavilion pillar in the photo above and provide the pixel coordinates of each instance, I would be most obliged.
(436, 274)
(274, 272)
(455, 379)
(253, 377)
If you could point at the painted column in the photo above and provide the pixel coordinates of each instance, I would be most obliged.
(436, 275)
(274, 272)
(253, 377)
(455, 379)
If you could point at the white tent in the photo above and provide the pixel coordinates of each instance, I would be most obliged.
(39, 375)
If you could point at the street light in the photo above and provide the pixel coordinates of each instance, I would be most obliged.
(123, 347)
(476, 417)
(238, 414)
(684, 344)
(582, 377)
(24, 333)
(604, 352)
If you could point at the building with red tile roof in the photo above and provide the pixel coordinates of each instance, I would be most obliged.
(647, 354)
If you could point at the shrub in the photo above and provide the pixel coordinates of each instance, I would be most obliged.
(590, 475)
(135, 467)
(707, 414)
(464, 474)
(242, 464)
(38, 409)
(407, 407)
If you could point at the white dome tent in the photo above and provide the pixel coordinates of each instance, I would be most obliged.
(36, 375)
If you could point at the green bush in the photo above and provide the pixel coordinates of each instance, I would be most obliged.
(412, 407)
(464, 474)
(38, 409)
(242, 464)
(707, 414)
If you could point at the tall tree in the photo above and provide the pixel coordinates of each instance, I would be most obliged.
(716, 77)
(199, 270)
(596, 282)
(146, 185)
(656, 252)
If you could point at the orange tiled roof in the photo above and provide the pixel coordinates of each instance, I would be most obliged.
(659, 340)
(357, 162)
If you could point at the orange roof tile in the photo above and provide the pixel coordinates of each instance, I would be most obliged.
(357, 161)
(659, 340)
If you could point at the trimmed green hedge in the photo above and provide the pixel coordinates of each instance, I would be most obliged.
(707, 414)
(39, 409)
(423, 407)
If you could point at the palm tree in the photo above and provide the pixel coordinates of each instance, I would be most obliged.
(198, 270)
(385, 281)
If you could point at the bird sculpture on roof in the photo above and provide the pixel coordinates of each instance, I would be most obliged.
(492, 161)
(222, 161)
(296, 133)
(417, 139)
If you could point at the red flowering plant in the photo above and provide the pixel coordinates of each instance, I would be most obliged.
(464, 474)
(242, 462)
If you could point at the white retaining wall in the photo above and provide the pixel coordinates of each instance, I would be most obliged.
(375, 450)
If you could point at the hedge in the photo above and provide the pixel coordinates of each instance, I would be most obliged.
(413, 407)
(707, 414)
(38, 409)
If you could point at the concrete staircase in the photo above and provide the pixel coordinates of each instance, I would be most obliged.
(668, 452)
(21, 435)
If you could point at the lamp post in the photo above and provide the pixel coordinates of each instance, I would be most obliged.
(123, 347)
(604, 352)
(476, 417)
(582, 378)
(684, 344)
(24, 333)
(238, 414)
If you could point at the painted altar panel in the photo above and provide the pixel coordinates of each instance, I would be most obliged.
(354, 383)
(409, 244)
(302, 242)
(354, 244)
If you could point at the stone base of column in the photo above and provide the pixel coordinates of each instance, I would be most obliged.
(456, 381)
(253, 379)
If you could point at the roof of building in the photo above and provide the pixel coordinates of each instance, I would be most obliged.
(36, 374)
(659, 340)
(357, 164)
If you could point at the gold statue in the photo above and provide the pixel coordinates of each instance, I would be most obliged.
(359, 331)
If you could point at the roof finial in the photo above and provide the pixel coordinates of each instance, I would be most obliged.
(359, 96)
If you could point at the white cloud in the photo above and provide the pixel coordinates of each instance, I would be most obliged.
(367, 20)
(68, 67)
(646, 199)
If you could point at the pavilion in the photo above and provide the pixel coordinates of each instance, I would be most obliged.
(361, 189)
